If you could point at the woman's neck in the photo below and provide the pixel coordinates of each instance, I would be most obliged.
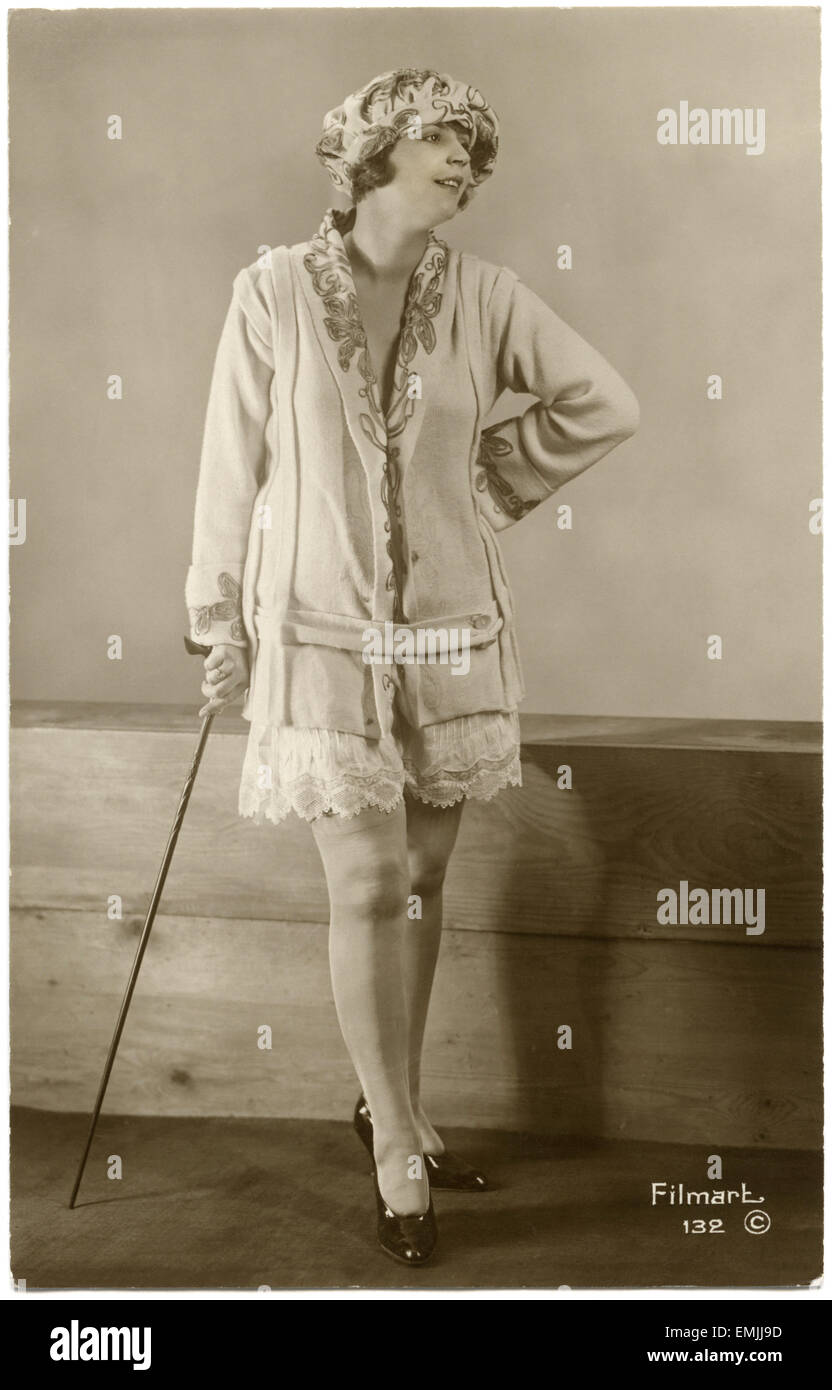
(380, 248)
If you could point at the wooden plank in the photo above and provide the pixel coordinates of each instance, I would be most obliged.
(724, 735)
(91, 810)
(676, 1042)
(772, 736)
(132, 717)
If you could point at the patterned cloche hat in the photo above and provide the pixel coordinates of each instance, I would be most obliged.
(384, 110)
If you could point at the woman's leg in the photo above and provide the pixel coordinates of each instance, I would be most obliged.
(431, 836)
(366, 865)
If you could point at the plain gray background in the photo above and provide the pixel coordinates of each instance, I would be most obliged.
(687, 261)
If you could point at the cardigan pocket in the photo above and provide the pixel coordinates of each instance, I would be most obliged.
(301, 680)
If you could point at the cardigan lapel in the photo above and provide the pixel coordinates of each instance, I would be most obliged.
(330, 292)
(384, 444)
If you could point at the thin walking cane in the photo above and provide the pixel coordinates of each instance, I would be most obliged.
(196, 650)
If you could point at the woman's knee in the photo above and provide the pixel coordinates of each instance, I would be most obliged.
(365, 862)
(427, 866)
(428, 856)
(431, 838)
(377, 891)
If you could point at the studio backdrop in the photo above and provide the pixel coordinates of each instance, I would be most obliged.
(693, 267)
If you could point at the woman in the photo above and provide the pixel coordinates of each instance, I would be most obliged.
(349, 493)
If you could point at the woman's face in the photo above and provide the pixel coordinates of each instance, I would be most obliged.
(433, 172)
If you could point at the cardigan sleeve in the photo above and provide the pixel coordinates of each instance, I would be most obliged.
(231, 466)
(584, 408)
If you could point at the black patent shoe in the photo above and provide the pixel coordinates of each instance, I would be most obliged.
(450, 1172)
(409, 1239)
(446, 1170)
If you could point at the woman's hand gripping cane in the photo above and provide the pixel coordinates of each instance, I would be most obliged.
(226, 677)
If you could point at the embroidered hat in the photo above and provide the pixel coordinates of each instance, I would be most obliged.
(393, 105)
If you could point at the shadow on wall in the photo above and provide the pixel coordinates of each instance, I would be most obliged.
(617, 1025)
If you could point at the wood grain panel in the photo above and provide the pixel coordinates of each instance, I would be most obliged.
(91, 810)
(672, 1041)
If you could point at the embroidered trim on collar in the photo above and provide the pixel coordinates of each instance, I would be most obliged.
(331, 273)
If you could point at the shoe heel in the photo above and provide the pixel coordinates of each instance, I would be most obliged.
(363, 1126)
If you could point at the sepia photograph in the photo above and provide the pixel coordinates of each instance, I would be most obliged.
(415, 551)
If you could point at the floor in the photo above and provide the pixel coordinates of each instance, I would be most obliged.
(239, 1204)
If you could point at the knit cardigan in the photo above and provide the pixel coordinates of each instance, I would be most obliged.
(319, 521)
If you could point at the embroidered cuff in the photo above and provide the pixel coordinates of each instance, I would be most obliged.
(213, 595)
(511, 487)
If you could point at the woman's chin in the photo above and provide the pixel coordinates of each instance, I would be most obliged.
(446, 209)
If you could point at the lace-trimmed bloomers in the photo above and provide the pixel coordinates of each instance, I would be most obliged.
(312, 771)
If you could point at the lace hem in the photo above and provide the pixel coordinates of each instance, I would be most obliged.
(314, 771)
(309, 797)
(481, 783)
